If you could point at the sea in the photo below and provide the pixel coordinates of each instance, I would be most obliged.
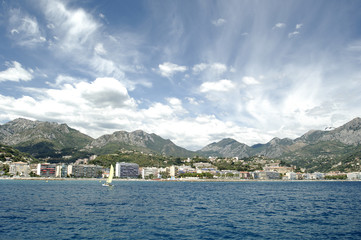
(79, 209)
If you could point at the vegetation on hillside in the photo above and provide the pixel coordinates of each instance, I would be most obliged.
(12, 154)
(326, 156)
(143, 160)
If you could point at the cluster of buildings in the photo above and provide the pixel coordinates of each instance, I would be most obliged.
(122, 170)
(80, 169)
(271, 171)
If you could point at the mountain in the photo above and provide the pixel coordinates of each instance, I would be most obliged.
(137, 140)
(273, 148)
(334, 149)
(348, 134)
(227, 147)
(41, 138)
(49, 139)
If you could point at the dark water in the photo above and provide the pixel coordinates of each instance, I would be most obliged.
(180, 210)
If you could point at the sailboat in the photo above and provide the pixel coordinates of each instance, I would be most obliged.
(110, 177)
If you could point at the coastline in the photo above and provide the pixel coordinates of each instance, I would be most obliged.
(169, 180)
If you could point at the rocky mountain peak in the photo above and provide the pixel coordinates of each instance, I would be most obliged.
(353, 125)
(27, 131)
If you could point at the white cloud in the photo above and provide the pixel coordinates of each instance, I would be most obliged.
(293, 34)
(223, 85)
(168, 69)
(219, 22)
(15, 73)
(106, 92)
(174, 101)
(298, 26)
(279, 25)
(249, 80)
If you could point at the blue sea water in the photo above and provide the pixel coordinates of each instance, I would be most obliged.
(179, 210)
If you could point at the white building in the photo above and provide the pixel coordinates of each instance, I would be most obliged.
(317, 176)
(149, 171)
(172, 171)
(19, 168)
(354, 176)
(291, 176)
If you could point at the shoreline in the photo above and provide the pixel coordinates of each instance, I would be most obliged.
(169, 180)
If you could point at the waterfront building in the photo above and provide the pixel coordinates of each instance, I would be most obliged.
(306, 176)
(85, 171)
(317, 176)
(229, 173)
(61, 171)
(19, 168)
(173, 170)
(149, 171)
(46, 170)
(244, 175)
(126, 170)
(291, 176)
(266, 175)
(186, 169)
(275, 167)
(354, 176)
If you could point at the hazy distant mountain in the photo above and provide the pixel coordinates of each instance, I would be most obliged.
(137, 140)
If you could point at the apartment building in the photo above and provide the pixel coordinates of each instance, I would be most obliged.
(126, 170)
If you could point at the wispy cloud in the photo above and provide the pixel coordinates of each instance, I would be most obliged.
(168, 69)
(24, 29)
(215, 68)
(73, 28)
(296, 32)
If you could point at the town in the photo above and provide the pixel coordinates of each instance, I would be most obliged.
(263, 169)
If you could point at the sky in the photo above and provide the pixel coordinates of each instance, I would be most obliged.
(191, 71)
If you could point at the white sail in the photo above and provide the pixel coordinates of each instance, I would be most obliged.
(111, 174)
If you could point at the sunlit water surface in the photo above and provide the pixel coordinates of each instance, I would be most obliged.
(179, 210)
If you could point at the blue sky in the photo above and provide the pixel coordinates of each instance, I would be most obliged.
(191, 71)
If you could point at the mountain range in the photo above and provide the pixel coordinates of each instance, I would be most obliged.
(48, 139)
